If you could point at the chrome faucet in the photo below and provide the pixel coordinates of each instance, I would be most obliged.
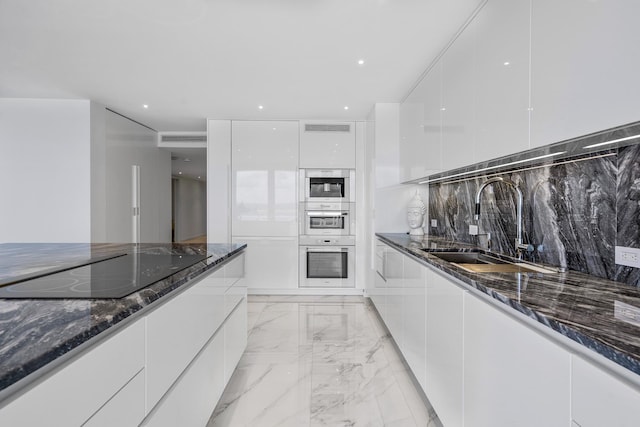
(519, 246)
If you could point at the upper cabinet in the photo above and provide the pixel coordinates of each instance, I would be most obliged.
(420, 130)
(501, 35)
(327, 145)
(583, 67)
(264, 167)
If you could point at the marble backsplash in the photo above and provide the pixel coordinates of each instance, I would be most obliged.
(574, 211)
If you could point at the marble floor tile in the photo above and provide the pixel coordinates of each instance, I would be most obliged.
(319, 361)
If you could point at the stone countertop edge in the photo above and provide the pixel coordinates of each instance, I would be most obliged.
(107, 316)
(609, 339)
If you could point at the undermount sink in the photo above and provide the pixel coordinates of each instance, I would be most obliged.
(477, 262)
(468, 258)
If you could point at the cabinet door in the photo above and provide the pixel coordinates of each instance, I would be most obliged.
(177, 331)
(584, 78)
(236, 288)
(264, 178)
(270, 263)
(394, 314)
(458, 95)
(599, 399)
(379, 290)
(328, 145)
(513, 376)
(444, 368)
(125, 408)
(235, 339)
(501, 31)
(193, 398)
(420, 128)
(415, 317)
(73, 394)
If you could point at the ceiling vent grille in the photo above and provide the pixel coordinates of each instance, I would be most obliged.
(308, 127)
(183, 138)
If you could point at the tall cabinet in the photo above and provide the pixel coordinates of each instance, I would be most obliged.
(264, 188)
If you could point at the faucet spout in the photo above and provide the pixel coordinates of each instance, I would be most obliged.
(519, 246)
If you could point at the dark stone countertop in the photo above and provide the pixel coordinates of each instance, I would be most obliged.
(573, 304)
(37, 333)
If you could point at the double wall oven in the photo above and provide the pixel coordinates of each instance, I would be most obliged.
(327, 228)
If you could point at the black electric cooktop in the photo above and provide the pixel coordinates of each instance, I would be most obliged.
(106, 277)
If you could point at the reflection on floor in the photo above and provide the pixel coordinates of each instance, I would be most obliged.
(319, 361)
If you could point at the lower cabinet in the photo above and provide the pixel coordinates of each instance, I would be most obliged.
(444, 348)
(89, 385)
(480, 365)
(599, 399)
(125, 408)
(271, 262)
(513, 376)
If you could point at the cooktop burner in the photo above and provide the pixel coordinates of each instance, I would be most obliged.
(114, 277)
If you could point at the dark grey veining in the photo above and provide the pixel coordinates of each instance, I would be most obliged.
(34, 333)
(576, 305)
(575, 211)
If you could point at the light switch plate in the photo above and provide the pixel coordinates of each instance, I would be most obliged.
(628, 256)
(473, 229)
(434, 223)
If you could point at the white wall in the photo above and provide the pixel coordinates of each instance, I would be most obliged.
(190, 208)
(45, 178)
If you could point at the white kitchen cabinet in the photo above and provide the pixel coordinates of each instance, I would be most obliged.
(415, 318)
(125, 408)
(77, 391)
(271, 263)
(191, 400)
(420, 128)
(235, 338)
(501, 32)
(235, 284)
(394, 319)
(177, 331)
(444, 349)
(458, 96)
(378, 293)
(584, 75)
(327, 145)
(513, 375)
(264, 182)
(599, 399)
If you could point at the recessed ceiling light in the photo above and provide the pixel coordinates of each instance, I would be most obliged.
(198, 177)
(346, 107)
(260, 107)
(361, 62)
(180, 173)
(145, 106)
(507, 63)
(186, 159)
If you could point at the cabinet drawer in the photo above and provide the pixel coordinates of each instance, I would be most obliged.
(235, 339)
(178, 330)
(126, 408)
(74, 393)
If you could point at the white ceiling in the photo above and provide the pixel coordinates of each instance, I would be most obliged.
(195, 59)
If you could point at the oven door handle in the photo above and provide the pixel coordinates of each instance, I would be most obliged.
(334, 249)
(329, 214)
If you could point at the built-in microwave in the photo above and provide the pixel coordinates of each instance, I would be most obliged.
(327, 185)
(327, 262)
(327, 219)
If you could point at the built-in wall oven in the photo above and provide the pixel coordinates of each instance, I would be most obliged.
(327, 185)
(327, 262)
(326, 219)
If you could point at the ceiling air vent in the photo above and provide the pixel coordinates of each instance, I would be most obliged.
(182, 139)
(308, 127)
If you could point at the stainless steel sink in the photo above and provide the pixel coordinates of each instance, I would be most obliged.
(477, 262)
(468, 258)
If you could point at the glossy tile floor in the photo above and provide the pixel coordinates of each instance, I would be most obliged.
(319, 361)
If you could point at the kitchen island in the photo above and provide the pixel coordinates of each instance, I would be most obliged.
(510, 348)
(41, 338)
